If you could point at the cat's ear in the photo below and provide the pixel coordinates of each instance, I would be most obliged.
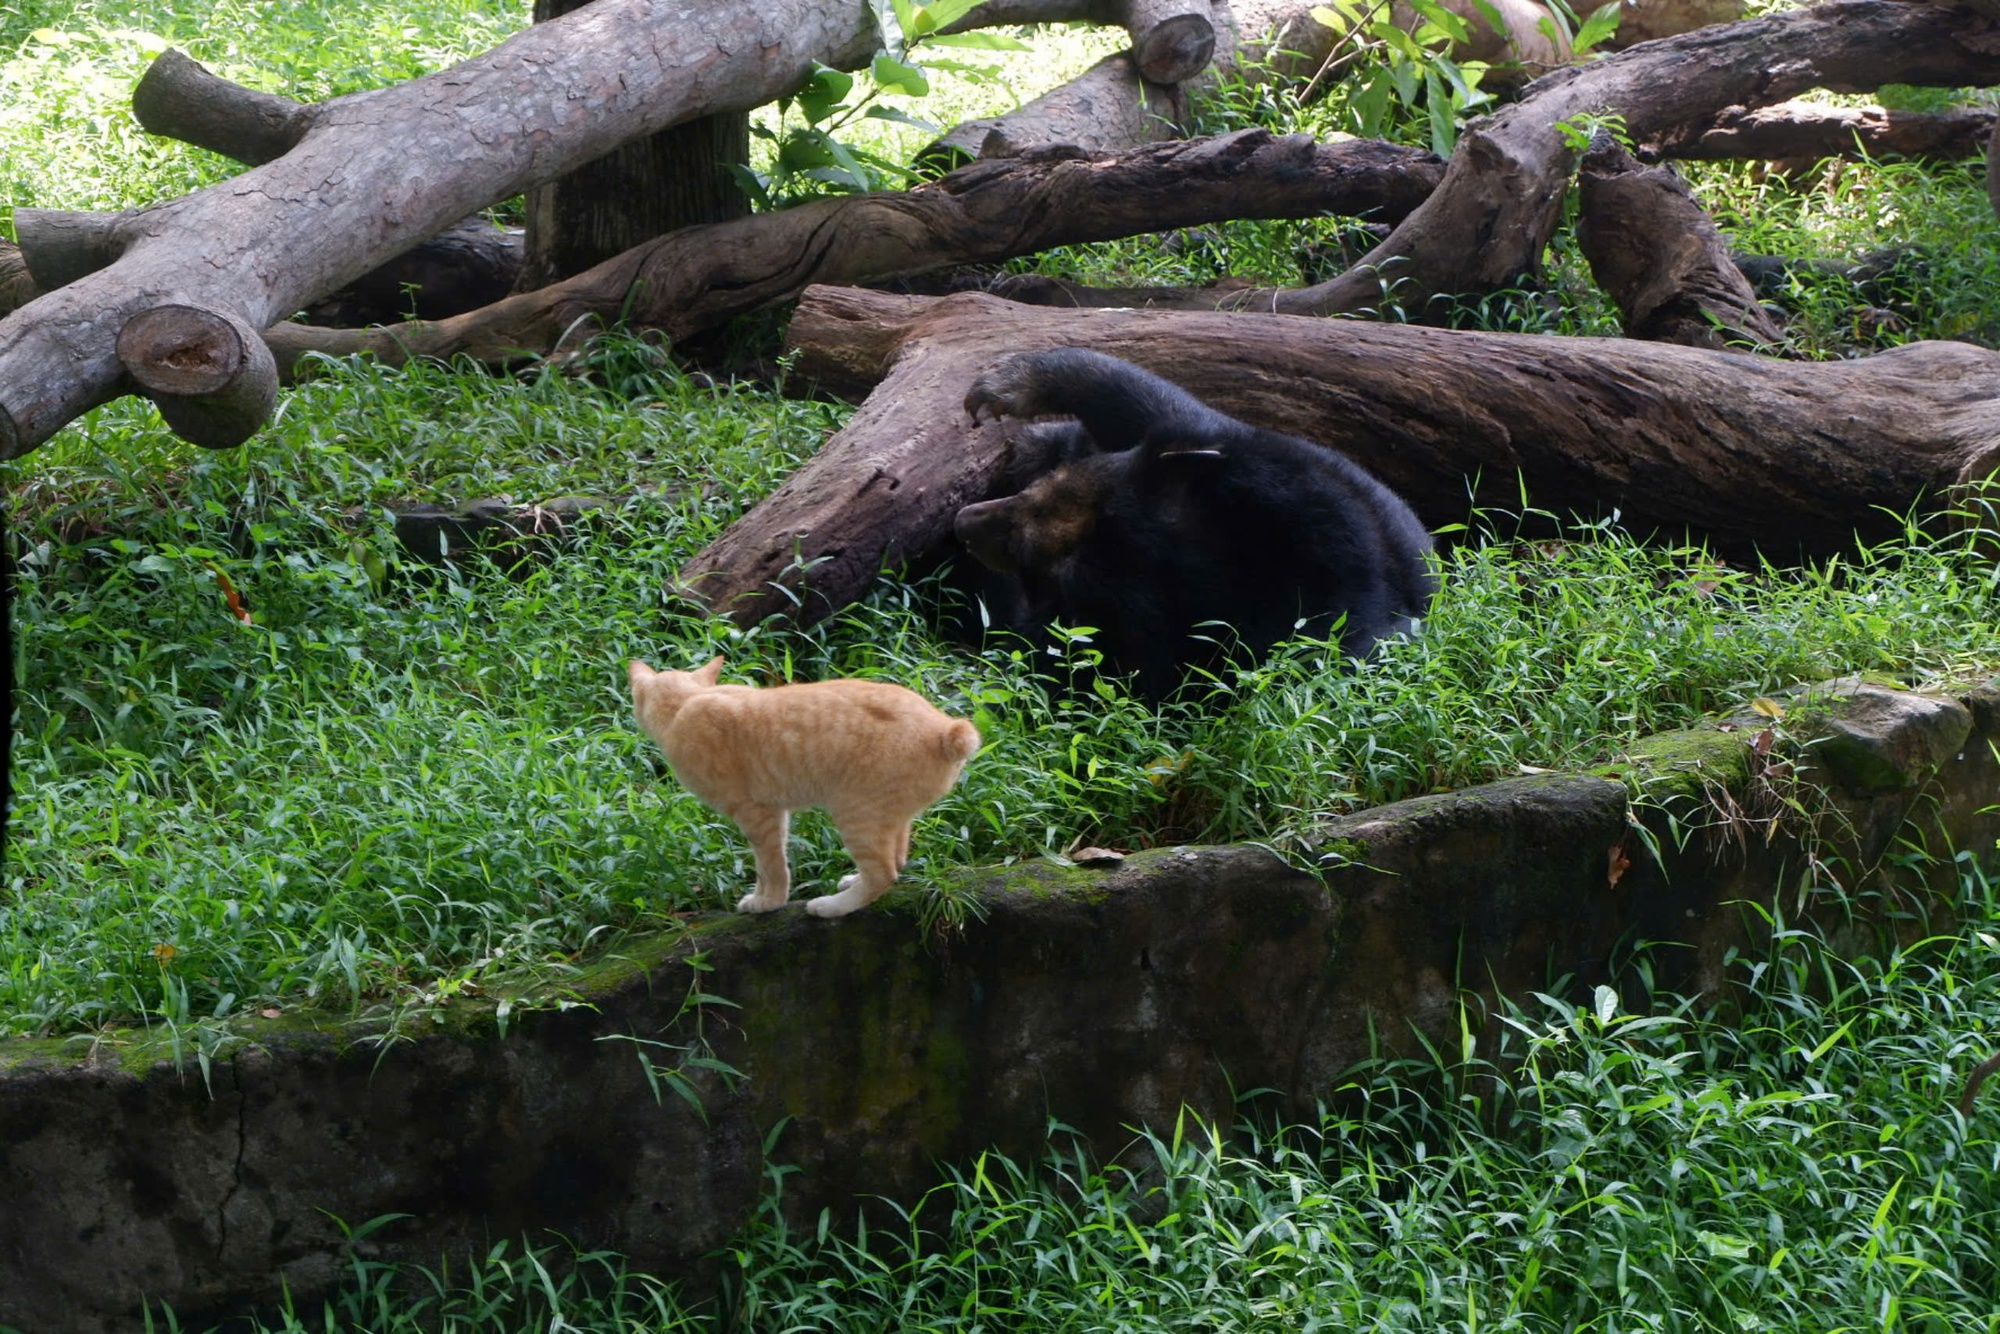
(636, 671)
(709, 671)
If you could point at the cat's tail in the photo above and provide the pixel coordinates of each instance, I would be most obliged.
(958, 741)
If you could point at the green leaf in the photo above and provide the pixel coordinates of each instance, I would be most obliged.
(1444, 124)
(1398, 40)
(824, 92)
(942, 14)
(805, 149)
(900, 118)
(1370, 101)
(755, 187)
(896, 76)
(1601, 24)
(980, 40)
(1448, 24)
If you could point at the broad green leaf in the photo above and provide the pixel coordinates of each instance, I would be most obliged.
(1444, 123)
(895, 76)
(1404, 77)
(900, 118)
(1447, 23)
(1397, 40)
(824, 93)
(942, 14)
(980, 40)
(1491, 13)
(1601, 24)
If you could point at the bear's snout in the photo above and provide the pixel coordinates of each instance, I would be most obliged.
(984, 529)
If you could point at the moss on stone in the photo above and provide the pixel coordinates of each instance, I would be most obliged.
(1673, 767)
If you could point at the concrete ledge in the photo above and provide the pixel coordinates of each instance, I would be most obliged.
(1105, 998)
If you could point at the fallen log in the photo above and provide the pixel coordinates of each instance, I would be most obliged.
(1808, 132)
(1657, 253)
(694, 278)
(374, 173)
(1488, 223)
(1108, 107)
(1747, 453)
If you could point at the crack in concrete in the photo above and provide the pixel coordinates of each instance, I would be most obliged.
(236, 1168)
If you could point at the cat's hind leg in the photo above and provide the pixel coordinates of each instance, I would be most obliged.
(876, 862)
(767, 828)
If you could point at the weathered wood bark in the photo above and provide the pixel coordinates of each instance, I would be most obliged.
(1658, 254)
(1107, 107)
(178, 98)
(676, 178)
(1650, 20)
(17, 286)
(1172, 40)
(462, 268)
(1490, 220)
(1800, 131)
(377, 172)
(1749, 453)
(211, 376)
(696, 277)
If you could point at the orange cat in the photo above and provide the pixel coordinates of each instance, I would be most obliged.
(871, 754)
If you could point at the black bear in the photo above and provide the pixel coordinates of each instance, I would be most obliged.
(1158, 515)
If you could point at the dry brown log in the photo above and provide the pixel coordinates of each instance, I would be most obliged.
(17, 285)
(1650, 20)
(1172, 40)
(179, 98)
(696, 277)
(375, 173)
(1107, 107)
(1749, 453)
(1489, 222)
(1807, 132)
(1657, 253)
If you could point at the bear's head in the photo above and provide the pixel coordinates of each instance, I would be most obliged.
(1043, 525)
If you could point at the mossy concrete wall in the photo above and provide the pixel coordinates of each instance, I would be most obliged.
(1104, 998)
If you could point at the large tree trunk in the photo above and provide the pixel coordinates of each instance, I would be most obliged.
(373, 173)
(989, 211)
(1748, 453)
(676, 178)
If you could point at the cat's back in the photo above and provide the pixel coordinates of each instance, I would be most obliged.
(800, 743)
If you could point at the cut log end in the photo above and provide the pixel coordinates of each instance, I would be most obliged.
(1176, 49)
(213, 379)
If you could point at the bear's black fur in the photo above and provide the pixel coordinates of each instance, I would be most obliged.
(1154, 514)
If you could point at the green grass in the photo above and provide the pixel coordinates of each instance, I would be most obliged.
(394, 777)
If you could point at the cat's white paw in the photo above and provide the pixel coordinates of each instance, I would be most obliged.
(834, 905)
(758, 903)
(848, 882)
